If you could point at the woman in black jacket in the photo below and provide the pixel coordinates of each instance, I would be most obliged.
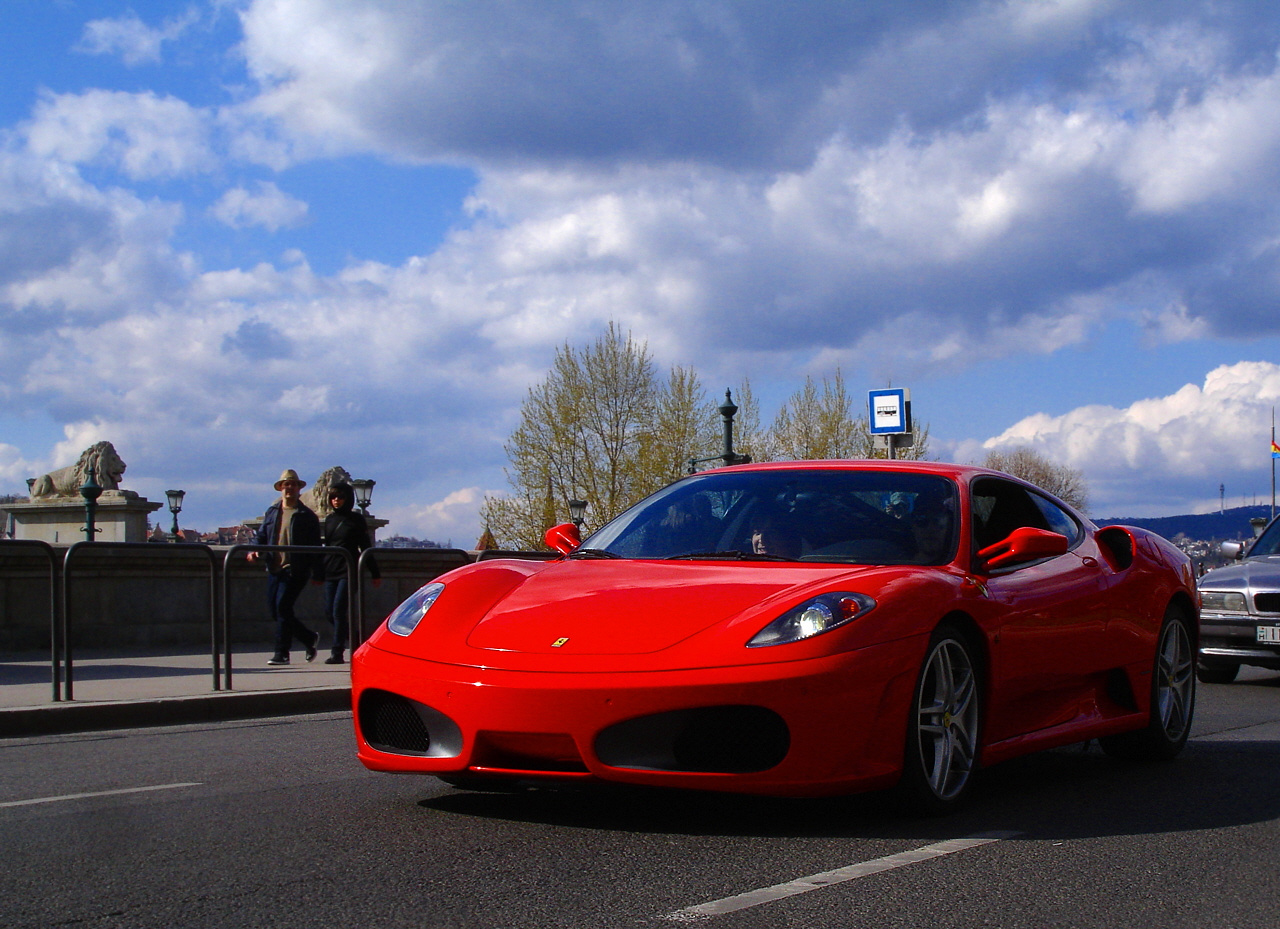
(343, 528)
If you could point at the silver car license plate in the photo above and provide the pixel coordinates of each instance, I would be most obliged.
(1269, 634)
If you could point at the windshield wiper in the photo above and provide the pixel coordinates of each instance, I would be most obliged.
(727, 556)
(592, 553)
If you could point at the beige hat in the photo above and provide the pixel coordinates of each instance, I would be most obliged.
(288, 474)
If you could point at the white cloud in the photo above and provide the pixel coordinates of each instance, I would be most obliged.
(134, 41)
(1199, 436)
(450, 519)
(144, 135)
(884, 186)
(266, 206)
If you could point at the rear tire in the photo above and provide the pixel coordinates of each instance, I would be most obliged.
(1173, 697)
(941, 756)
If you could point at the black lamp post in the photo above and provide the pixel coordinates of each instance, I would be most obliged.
(175, 507)
(91, 490)
(364, 493)
(578, 512)
(728, 456)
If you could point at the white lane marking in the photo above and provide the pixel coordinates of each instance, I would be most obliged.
(100, 793)
(827, 878)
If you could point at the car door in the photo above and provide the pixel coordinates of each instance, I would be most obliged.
(1048, 616)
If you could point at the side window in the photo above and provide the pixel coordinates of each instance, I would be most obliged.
(1059, 520)
(999, 507)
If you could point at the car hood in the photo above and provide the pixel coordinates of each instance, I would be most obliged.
(1252, 573)
(631, 608)
(592, 615)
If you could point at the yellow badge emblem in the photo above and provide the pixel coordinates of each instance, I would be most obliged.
(558, 642)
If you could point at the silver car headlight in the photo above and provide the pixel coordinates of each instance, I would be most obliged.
(1222, 601)
(405, 618)
(813, 617)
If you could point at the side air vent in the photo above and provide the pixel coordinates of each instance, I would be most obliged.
(1117, 547)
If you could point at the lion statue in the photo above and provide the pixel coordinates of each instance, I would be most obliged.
(318, 496)
(108, 469)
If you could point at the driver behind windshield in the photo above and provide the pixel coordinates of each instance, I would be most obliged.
(773, 534)
(931, 523)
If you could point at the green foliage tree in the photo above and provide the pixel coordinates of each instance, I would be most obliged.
(1063, 481)
(604, 427)
(601, 427)
(818, 423)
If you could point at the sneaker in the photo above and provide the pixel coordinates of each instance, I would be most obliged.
(311, 649)
(335, 658)
(277, 661)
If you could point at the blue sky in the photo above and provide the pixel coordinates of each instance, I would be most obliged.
(242, 235)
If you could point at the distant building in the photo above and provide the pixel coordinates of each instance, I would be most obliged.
(235, 535)
(400, 541)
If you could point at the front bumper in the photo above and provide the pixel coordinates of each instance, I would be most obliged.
(1232, 638)
(801, 728)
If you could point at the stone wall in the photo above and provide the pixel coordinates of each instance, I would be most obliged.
(159, 595)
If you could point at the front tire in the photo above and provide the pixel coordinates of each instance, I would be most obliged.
(1173, 697)
(1217, 673)
(942, 736)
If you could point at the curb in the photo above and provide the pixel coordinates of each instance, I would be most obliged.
(62, 718)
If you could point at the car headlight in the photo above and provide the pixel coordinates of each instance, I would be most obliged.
(813, 617)
(1221, 601)
(405, 618)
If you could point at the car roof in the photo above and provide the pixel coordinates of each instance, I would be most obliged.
(941, 468)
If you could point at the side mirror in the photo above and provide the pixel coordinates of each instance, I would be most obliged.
(1232, 550)
(563, 538)
(1022, 545)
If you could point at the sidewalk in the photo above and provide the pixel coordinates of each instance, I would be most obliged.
(122, 689)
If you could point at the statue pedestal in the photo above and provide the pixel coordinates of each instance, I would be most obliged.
(121, 516)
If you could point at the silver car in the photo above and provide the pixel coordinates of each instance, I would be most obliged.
(1240, 610)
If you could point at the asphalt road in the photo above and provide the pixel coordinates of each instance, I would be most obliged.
(274, 823)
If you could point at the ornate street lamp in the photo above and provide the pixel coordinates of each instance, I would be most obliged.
(175, 507)
(728, 456)
(578, 512)
(91, 490)
(364, 493)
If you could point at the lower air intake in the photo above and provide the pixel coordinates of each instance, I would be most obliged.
(712, 739)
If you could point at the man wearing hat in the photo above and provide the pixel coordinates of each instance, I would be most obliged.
(289, 521)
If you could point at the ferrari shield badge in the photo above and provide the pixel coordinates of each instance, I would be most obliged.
(559, 642)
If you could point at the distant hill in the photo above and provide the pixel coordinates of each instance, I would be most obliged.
(1209, 527)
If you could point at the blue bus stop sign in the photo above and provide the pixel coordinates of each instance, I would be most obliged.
(889, 411)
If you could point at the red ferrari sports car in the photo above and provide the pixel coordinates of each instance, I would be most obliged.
(795, 628)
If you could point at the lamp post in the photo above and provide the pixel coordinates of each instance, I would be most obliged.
(578, 512)
(728, 456)
(364, 494)
(175, 507)
(91, 490)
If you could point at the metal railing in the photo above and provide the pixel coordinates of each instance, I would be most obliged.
(52, 556)
(349, 564)
(138, 548)
(67, 575)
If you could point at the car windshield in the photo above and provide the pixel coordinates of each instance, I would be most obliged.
(842, 516)
(1269, 542)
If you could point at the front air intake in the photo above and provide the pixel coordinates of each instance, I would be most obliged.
(400, 726)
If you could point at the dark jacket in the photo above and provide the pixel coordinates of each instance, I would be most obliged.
(347, 529)
(305, 531)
